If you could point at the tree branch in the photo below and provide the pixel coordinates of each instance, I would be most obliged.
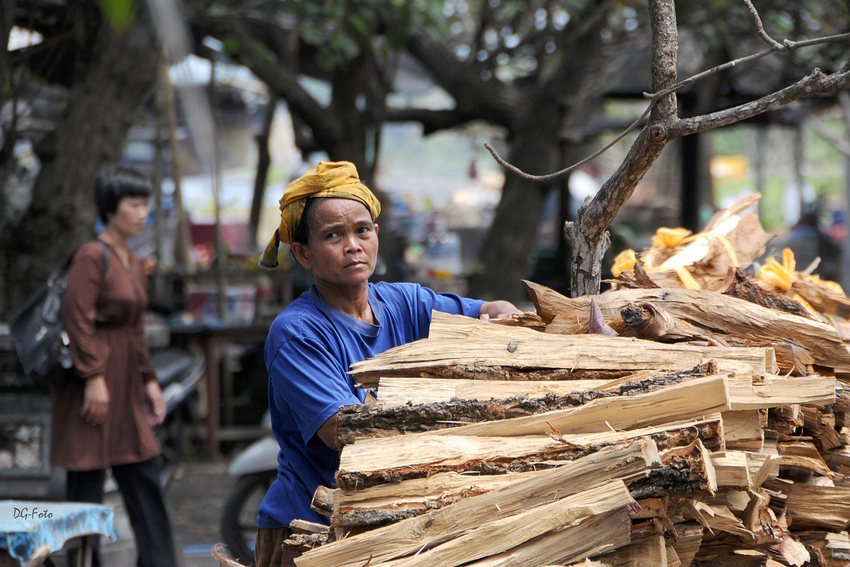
(721, 118)
(815, 84)
(760, 27)
(283, 81)
(431, 120)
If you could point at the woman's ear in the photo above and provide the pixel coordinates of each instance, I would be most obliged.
(301, 254)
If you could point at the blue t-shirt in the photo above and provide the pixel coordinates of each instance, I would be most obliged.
(308, 354)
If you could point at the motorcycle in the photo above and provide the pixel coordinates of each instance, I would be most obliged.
(178, 372)
(256, 469)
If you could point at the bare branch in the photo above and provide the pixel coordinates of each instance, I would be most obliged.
(551, 176)
(815, 84)
(760, 27)
(792, 45)
(654, 97)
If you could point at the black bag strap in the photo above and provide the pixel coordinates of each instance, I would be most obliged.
(105, 255)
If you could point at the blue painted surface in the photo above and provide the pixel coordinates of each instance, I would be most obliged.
(26, 526)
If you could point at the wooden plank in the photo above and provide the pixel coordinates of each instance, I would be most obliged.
(482, 346)
(393, 459)
(726, 315)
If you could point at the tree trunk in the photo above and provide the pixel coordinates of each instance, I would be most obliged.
(103, 105)
(588, 234)
(508, 253)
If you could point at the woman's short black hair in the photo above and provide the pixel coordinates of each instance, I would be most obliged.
(116, 182)
(308, 219)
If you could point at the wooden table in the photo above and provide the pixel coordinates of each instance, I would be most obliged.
(213, 342)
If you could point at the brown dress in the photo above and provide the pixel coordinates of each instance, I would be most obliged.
(104, 317)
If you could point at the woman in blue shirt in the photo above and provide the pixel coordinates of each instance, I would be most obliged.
(328, 218)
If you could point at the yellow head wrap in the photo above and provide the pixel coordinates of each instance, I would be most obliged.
(336, 179)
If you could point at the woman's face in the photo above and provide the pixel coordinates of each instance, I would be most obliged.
(343, 244)
(130, 217)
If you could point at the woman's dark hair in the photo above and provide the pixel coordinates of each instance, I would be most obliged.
(308, 220)
(115, 183)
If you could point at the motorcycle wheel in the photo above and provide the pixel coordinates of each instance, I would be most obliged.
(239, 516)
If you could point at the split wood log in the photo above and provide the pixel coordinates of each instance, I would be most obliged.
(464, 347)
(652, 508)
(741, 286)
(681, 471)
(399, 391)
(592, 537)
(834, 548)
(393, 459)
(711, 311)
(649, 322)
(388, 503)
(408, 536)
(743, 430)
(706, 256)
(732, 469)
(686, 471)
(818, 507)
(766, 391)
(647, 552)
(688, 400)
(735, 499)
(802, 455)
(822, 299)
(719, 519)
(323, 501)
(819, 424)
(502, 537)
(686, 540)
(770, 391)
(358, 421)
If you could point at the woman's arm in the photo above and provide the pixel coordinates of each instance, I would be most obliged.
(497, 310)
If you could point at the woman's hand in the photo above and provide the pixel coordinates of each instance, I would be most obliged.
(497, 310)
(156, 410)
(95, 401)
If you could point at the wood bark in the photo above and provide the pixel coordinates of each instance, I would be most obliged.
(508, 533)
(384, 420)
(725, 315)
(685, 471)
(698, 397)
(741, 286)
(408, 536)
(390, 460)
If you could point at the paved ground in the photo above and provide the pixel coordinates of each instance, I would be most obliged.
(194, 498)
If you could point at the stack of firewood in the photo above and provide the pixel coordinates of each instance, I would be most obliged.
(642, 426)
